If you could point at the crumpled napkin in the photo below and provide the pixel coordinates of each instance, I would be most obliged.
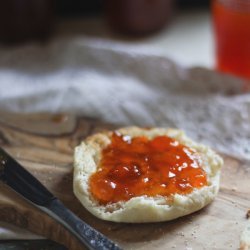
(121, 85)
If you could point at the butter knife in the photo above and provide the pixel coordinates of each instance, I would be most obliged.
(21, 181)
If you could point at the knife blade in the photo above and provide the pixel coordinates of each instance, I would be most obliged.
(24, 183)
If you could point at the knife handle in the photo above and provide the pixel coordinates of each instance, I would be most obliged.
(91, 238)
(23, 182)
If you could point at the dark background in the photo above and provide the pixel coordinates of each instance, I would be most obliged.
(68, 8)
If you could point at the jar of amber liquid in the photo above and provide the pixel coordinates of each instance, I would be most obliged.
(138, 17)
(231, 19)
(23, 20)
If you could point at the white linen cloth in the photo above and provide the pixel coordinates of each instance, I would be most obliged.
(126, 86)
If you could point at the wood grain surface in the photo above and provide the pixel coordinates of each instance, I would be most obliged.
(44, 144)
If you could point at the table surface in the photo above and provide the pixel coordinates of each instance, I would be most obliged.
(187, 40)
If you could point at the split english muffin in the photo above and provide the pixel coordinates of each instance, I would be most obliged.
(144, 175)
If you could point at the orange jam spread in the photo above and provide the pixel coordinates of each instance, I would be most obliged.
(139, 166)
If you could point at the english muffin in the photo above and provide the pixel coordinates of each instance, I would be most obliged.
(140, 175)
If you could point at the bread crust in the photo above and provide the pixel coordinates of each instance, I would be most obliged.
(143, 209)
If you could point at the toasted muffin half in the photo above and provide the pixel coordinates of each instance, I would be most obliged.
(143, 208)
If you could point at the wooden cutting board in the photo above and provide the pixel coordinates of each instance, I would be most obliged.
(44, 143)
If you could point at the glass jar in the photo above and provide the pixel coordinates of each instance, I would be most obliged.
(22, 20)
(231, 19)
(138, 17)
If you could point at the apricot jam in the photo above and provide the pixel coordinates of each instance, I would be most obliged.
(139, 166)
